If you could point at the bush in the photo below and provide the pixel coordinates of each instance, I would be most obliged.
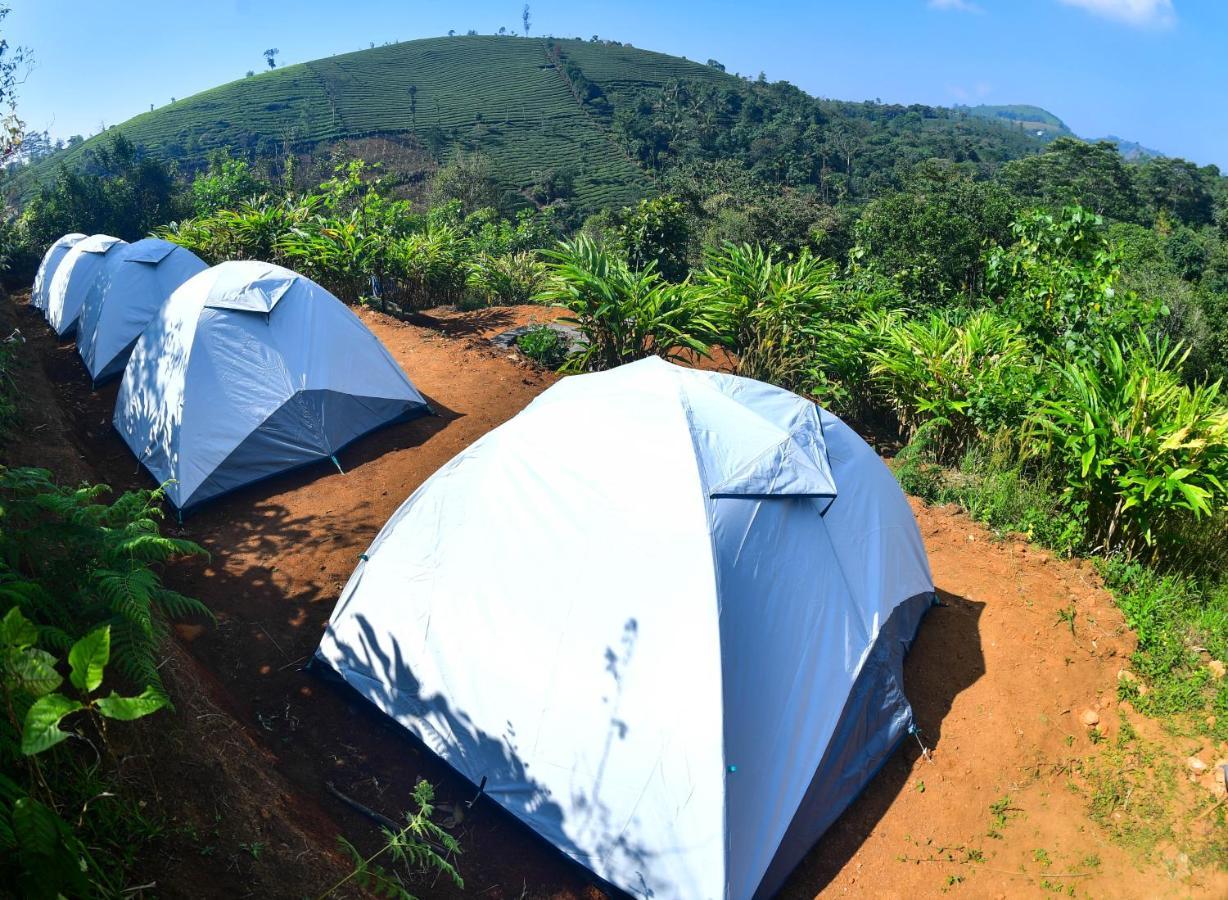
(1140, 452)
(624, 314)
(973, 378)
(509, 280)
(543, 345)
(769, 313)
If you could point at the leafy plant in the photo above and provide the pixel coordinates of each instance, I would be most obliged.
(71, 564)
(511, 279)
(1140, 451)
(624, 314)
(422, 845)
(769, 313)
(974, 376)
(544, 345)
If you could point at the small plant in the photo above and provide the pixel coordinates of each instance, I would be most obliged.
(1067, 615)
(920, 787)
(1041, 855)
(420, 846)
(544, 345)
(1000, 811)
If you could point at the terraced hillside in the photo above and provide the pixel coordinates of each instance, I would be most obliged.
(603, 111)
(504, 96)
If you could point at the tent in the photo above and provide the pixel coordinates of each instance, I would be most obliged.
(74, 277)
(46, 269)
(659, 616)
(249, 370)
(131, 287)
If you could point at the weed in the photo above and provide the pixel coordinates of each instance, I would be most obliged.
(544, 345)
(1000, 812)
(1067, 615)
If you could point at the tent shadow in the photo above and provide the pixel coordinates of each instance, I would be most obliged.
(945, 659)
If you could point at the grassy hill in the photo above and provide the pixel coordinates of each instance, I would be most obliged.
(606, 112)
(505, 96)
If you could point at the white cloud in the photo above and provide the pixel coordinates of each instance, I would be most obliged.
(966, 6)
(1140, 13)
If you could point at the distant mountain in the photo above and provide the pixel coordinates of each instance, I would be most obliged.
(1132, 150)
(1045, 125)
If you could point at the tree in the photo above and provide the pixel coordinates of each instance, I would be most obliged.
(658, 231)
(929, 237)
(451, 32)
(227, 183)
(13, 61)
(270, 57)
(716, 64)
(468, 178)
(524, 17)
(1073, 172)
(1178, 188)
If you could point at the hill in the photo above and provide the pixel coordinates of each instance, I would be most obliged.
(1040, 122)
(538, 104)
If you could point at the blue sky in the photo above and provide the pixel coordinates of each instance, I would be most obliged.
(1155, 71)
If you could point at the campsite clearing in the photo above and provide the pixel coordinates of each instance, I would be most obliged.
(1018, 797)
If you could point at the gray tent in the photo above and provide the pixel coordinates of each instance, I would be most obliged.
(660, 615)
(250, 370)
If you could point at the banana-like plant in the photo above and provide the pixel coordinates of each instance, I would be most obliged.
(1142, 452)
(624, 314)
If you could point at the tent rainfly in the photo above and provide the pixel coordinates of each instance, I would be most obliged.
(74, 277)
(659, 616)
(249, 370)
(46, 269)
(128, 291)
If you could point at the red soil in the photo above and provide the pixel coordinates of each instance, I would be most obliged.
(996, 681)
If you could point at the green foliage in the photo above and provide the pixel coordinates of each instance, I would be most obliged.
(624, 314)
(972, 377)
(1059, 280)
(657, 233)
(227, 183)
(1073, 172)
(768, 312)
(544, 345)
(508, 280)
(422, 847)
(1140, 452)
(71, 564)
(930, 236)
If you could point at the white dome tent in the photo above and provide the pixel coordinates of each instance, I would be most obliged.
(46, 269)
(74, 277)
(680, 655)
(127, 292)
(250, 370)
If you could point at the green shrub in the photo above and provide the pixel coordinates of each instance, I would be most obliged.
(71, 564)
(973, 377)
(624, 314)
(769, 313)
(1140, 452)
(1060, 280)
(508, 280)
(544, 345)
(430, 268)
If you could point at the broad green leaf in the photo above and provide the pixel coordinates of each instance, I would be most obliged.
(32, 670)
(42, 727)
(16, 630)
(88, 658)
(34, 826)
(128, 708)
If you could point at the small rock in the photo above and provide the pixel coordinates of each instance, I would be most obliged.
(1196, 765)
(1126, 675)
(1090, 717)
(1221, 771)
(1218, 669)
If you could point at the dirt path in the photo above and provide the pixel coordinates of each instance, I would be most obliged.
(997, 679)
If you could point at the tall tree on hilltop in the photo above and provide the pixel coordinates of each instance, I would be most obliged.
(270, 56)
(524, 17)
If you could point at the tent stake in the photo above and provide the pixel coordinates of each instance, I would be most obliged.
(337, 464)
